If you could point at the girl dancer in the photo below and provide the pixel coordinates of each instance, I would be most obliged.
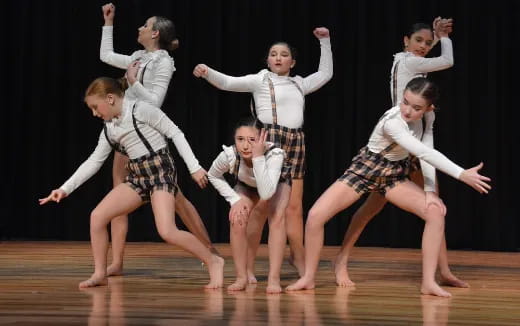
(280, 100)
(148, 75)
(256, 166)
(384, 166)
(138, 129)
(407, 65)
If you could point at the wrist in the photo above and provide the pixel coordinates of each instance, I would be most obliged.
(109, 22)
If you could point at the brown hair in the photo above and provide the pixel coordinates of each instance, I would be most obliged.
(167, 35)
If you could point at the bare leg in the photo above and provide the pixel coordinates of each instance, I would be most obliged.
(277, 236)
(191, 218)
(163, 205)
(294, 226)
(446, 276)
(370, 208)
(119, 225)
(411, 198)
(255, 226)
(120, 201)
(335, 199)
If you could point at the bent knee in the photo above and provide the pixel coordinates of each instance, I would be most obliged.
(294, 209)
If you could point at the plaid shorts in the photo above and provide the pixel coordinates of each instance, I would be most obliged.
(371, 172)
(292, 141)
(152, 172)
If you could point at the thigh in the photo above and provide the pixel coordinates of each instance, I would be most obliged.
(119, 171)
(336, 198)
(296, 197)
(119, 201)
(279, 201)
(163, 206)
(409, 197)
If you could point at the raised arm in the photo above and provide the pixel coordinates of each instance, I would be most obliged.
(248, 83)
(106, 51)
(425, 65)
(316, 80)
(216, 173)
(396, 131)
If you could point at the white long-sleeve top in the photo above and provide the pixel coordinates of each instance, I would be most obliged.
(289, 100)
(152, 123)
(412, 66)
(409, 67)
(264, 175)
(159, 69)
(392, 128)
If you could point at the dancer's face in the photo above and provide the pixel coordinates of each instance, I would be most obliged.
(146, 33)
(419, 43)
(413, 106)
(103, 107)
(280, 60)
(244, 137)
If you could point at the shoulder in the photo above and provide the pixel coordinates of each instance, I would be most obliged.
(228, 154)
(273, 151)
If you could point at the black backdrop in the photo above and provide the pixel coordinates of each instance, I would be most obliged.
(51, 53)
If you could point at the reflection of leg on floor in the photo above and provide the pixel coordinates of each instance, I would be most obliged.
(341, 302)
(435, 310)
(244, 306)
(302, 305)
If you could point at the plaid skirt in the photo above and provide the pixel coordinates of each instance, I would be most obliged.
(292, 141)
(372, 172)
(152, 172)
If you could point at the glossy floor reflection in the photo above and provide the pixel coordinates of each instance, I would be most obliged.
(165, 287)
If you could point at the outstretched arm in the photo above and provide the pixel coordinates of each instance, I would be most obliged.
(396, 131)
(248, 83)
(83, 173)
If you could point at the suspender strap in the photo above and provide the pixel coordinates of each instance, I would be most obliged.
(142, 73)
(115, 147)
(394, 84)
(273, 101)
(143, 139)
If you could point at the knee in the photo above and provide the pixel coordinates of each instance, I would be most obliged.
(238, 228)
(97, 220)
(294, 208)
(434, 214)
(276, 222)
(313, 220)
(167, 234)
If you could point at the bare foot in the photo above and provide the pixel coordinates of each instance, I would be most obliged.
(301, 284)
(216, 272)
(251, 278)
(93, 281)
(273, 288)
(434, 289)
(299, 264)
(452, 280)
(341, 272)
(239, 285)
(115, 270)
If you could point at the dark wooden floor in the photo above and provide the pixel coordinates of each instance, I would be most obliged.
(163, 286)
